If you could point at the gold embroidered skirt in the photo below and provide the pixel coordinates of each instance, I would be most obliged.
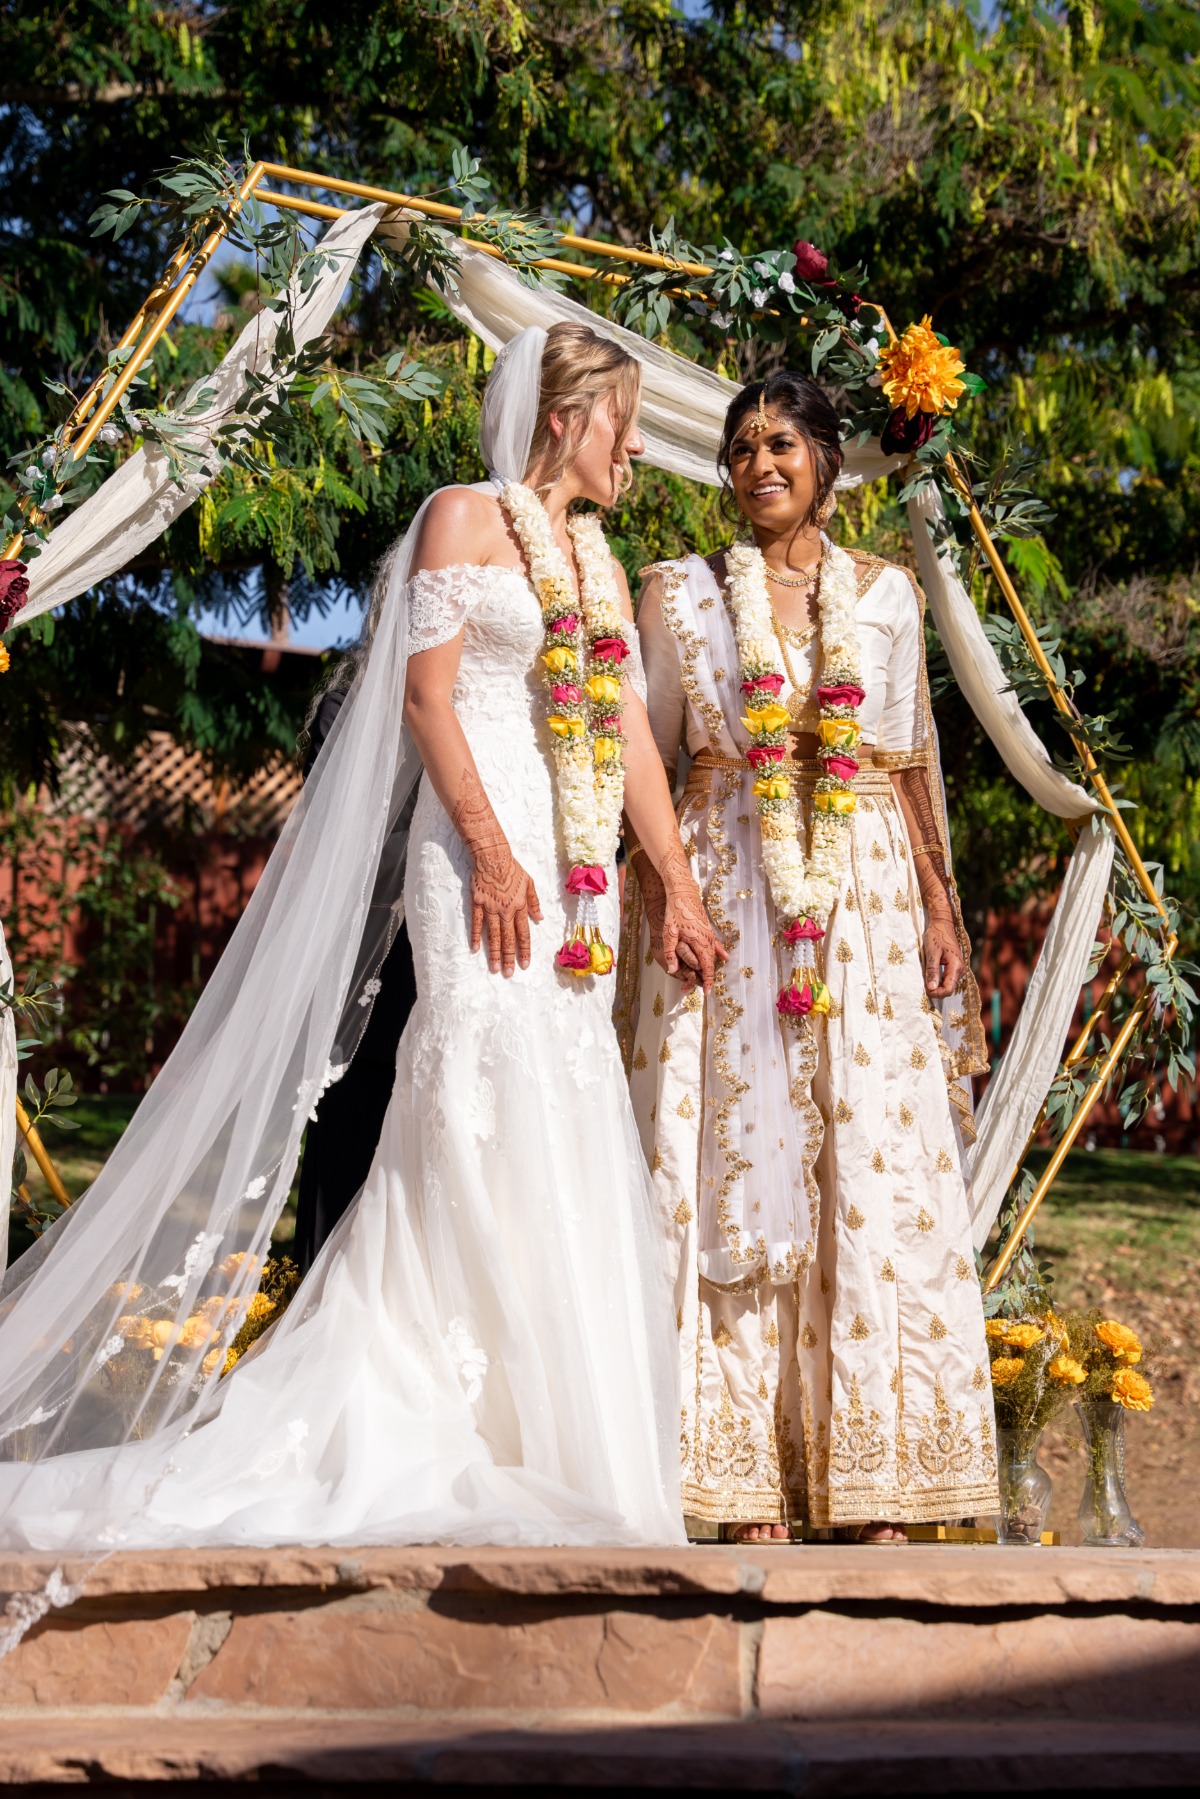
(855, 1385)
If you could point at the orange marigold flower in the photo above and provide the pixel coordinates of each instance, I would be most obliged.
(1120, 1341)
(1005, 1369)
(1065, 1371)
(919, 373)
(1132, 1390)
(1023, 1336)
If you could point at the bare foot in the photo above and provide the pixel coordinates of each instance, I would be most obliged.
(880, 1532)
(759, 1533)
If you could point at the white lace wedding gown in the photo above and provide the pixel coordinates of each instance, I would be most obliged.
(484, 1352)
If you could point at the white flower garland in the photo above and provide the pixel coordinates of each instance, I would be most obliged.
(804, 889)
(584, 646)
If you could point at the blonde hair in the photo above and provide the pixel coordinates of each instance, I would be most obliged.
(579, 369)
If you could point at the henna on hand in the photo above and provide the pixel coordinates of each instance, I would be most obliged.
(685, 934)
(503, 897)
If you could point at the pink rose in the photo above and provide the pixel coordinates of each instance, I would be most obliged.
(848, 694)
(764, 684)
(585, 877)
(610, 726)
(568, 624)
(811, 263)
(763, 753)
(574, 956)
(795, 1002)
(567, 694)
(803, 930)
(612, 649)
(842, 768)
(14, 591)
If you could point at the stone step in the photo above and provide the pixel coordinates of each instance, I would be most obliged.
(939, 1667)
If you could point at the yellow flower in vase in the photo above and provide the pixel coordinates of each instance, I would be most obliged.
(1132, 1390)
(1122, 1344)
(1065, 1371)
(1005, 1370)
(1022, 1336)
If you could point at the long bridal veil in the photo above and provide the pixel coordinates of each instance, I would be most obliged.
(114, 1327)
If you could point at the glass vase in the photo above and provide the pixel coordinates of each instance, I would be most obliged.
(1104, 1515)
(1025, 1487)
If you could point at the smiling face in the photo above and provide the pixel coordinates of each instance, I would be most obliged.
(773, 475)
(597, 470)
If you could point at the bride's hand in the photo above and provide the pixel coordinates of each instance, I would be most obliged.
(503, 900)
(941, 956)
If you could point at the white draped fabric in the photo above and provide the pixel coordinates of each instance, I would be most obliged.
(682, 412)
(8, 1089)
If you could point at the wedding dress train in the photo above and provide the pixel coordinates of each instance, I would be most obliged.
(484, 1351)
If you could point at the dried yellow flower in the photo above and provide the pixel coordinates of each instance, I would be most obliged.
(1023, 1336)
(260, 1306)
(919, 373)
(1005, 1369)
(1125, 1345)
(1065, 1371)
(1132, 1390)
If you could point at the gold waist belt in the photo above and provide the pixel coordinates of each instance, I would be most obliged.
(708, 764)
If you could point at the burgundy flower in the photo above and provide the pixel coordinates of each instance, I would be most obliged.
(850, 304)
(811, 264)
(14, 591)
(902, 433)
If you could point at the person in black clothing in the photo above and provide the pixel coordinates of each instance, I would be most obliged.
(340, 1143)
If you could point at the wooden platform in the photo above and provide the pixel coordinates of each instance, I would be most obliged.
(932, 1668)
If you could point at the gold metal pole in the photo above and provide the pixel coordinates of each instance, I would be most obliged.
(963, 488)
(1000, 1266)
(166, 313)
(315, 209)
(40, 1154)
(437, 209)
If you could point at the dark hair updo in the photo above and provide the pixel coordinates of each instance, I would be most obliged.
(807, 409)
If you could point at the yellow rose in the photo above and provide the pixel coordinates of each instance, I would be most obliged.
(603, 689)
(995, 1328)
(1023, 1336)
(775, 787)
(558, 660)
(601, 957)
(765, 718)
(820, 993)
(565, 727)
(842, 803)
(1132, 1390)
(605, 748)
(1119, 1340)
(839, 733)
(1005, 1370)
(1065, 1371)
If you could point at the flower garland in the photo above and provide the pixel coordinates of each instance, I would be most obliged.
(582, 657)
(804, 890)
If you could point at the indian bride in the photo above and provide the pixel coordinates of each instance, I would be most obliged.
(482, 1351)
(806, 1121)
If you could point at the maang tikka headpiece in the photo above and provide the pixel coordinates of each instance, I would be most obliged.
(760, 421)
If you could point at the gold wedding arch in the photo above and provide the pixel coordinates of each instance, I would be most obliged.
(179, 279)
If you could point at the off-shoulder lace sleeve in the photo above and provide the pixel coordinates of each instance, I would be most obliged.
(440, 600)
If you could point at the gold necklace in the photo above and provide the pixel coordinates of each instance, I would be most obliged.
(797, 700)
(805, 580)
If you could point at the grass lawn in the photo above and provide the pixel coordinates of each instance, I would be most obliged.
(1123, 1232)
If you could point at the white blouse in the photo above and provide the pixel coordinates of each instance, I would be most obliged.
(890, 635)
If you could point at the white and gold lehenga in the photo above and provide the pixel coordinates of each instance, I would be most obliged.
(841, 1376)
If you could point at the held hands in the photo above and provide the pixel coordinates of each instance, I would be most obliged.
(682, 941)
(941, 956)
